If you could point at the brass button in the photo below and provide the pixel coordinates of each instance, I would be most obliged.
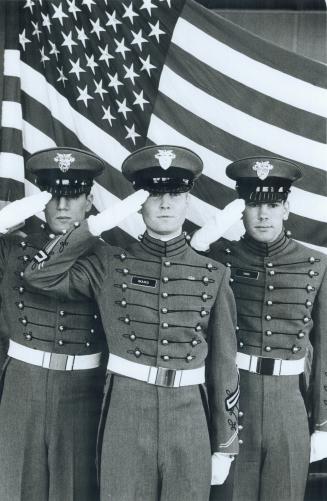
(306, 320)
(205, 280)
(311, 260)
(310, 288)
(28, 337)
(23, 244)
(76, 224)
(24, 321)
(227, 250)
(167, 263)
(164, 310)
(240, 414)
(122, 256)
(124, 286)
(198, 328)
(237, 328)
(137, 353)
(229, 265)
(61, 328)
(194, 342)
(270, 287)
(21, 290)
(311, 273)
(164, 294)
(308, 303)
(165, 280)
(123, 302)
(203, 313)
(127, 320)
(241, 344)
(60, 342)
(189, 358)
(87, 344)
(21, 305)
(204, 296)
(164, 325)
(166, 358)
(132, 336)
(240, 427)
(125, 271)
(21, 274)
(95, 316)
(268, 317)
(231, 280)
(62, 313)
(271, 273)
(209, 266)
(268, 348)
(92, 331)
(25, 259)
(269, 302)
(52, 236)
(301, 335)
(164, 342)
(240, 441)
(270, 265)
(295, 349)
(268, 333)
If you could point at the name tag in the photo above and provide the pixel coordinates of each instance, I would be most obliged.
(144, 282)
(253, 275)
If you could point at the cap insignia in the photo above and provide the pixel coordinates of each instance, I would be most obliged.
(64, 160)
(165, 158)
(262, 169)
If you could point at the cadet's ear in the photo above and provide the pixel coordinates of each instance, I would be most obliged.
(89, 202)
(286, 210)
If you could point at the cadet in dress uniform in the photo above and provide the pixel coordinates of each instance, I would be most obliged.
(280, 288)
(52, 379)
(169, 317)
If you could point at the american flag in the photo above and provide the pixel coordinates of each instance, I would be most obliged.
(113, 75)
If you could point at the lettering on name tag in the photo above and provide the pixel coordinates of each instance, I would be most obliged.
(253, 275)
(143, 281)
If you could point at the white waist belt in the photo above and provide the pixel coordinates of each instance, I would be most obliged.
(159, 376)
(54, 361)
(269, 366)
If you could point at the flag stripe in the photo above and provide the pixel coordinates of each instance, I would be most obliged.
(245, 127)
(255, 48)
(242, 97)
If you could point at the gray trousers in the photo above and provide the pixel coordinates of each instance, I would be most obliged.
(274, 457)
(155, 444)
(48, 427)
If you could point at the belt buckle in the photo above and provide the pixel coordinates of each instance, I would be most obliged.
(265, 366)
(58, 361)
(165, 377)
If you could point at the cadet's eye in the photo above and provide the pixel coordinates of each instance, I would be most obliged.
(252, 204)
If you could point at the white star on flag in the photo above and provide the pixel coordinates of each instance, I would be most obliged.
(146, 65)
(105, 55)
(83, 95)
(148, 5)
(96, 27)
(29, 4)
(156, 31)
(107, 115)
(131, 134)
(54, 49)
(91, 63)
(130, 13)
(89, 3)
(121, 47)
(62, 77)
(81, 35)
(123, 108)
(68, 41)
(138, 39)
(46, 21)
(112, 20)
(76, 68)
(43, 57)
(99, 89)
(72, 8)
(114, 82)
(59, 14)
(36, 31)
(130, 73)
(23, 40)
(139, 99)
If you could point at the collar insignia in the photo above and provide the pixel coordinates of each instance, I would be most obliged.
(64, 160)
(262, 169)
(165, 158)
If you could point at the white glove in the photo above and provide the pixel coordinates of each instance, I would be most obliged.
(217, 225)
(16, 212)
(220, 465)
(111, 217)
(318, 446)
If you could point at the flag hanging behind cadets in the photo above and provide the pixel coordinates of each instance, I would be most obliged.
(112, 76)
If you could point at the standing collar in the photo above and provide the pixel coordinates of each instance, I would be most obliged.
(266, 248)
(158, 247)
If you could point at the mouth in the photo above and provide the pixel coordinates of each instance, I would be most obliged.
(263, 227)
(63, 218)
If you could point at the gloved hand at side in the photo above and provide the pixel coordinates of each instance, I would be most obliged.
(217, 225)
(220, 467)
(17, 212)
(111, 217)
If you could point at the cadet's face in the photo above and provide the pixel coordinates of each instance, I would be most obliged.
(62, 212)
(264, 222)
(164, 214)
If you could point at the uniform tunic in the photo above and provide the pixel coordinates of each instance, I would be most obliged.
(48, 418)
(162, 305)
(281, 296)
